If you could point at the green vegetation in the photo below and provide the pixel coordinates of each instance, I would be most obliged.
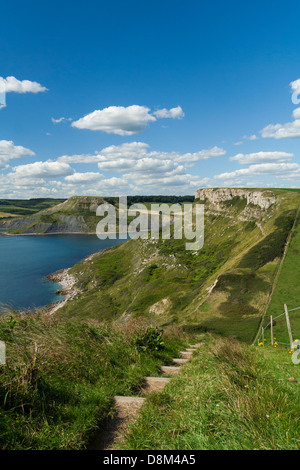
(286, 291)
(26, 207)
(60, 378)
(230, 396)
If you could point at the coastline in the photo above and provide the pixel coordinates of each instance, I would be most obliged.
(35, 234)
(68, 285)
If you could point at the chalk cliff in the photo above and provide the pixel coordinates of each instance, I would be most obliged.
(264, 198)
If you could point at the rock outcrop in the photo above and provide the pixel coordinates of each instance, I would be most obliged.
(264, 198)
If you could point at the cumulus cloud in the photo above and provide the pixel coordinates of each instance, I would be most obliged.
(123, 121)
(9, 151)
(12, 84)
(262, 157)
(173, 113)
(277, 169)
(283, 131)
(117, 120)
(48, 169)
(290, 129)
(132, 151)
(81, 178)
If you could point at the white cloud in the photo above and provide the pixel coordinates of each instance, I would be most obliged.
(262, 157)
(296, 113)
(173, 113)
(282, 131)
(132, 151)
(12, 84)
(123, 121)
(117, 120)
(279, 169)
(290, 129)
(9, 151)
(81, 178)
(48, 169)
(59, 120)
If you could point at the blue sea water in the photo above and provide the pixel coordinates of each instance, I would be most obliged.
(26, 260)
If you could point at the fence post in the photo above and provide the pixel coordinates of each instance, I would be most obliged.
(288, 325)
(263, 335)
(272, 337)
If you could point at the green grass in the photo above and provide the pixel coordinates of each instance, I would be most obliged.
(60, 378)
(230, 396)
(27, 207)
(287, 292)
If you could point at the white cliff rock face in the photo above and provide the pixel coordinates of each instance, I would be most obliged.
(263, 199)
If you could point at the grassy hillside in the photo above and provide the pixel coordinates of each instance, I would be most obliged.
(286, 290)
(60, 378)
(224, 287)
(17, 207)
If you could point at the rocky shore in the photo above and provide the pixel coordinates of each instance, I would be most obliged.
(68, 289)
(68, 285)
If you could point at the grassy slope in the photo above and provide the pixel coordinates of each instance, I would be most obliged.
(74, 207)
(20, 207)
(134, 278)
(230, 396)
(60, 378)
(287, 291)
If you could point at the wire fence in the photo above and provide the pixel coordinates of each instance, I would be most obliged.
(281, 329)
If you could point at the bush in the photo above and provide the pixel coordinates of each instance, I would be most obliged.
(150, 340)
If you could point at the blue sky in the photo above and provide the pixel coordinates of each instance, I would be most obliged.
(148, 97)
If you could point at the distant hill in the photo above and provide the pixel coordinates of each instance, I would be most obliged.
(74, 215)
(17, 207)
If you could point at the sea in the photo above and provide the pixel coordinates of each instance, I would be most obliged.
(25, 261)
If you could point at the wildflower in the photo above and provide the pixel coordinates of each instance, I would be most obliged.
(260, 344)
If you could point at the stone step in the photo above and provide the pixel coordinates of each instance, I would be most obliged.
(170, 370)
(180, 361)
(155, 384)
(128, 405)
(196, 345)
(120, 400)
(186, 354)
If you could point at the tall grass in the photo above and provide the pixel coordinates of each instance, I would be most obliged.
(228, 397)
(61, 376)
